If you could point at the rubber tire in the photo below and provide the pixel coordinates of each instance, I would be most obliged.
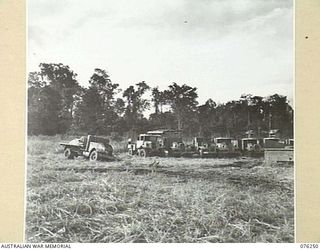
(68, 153)
(257, 148)
(94, 156)
(142, 153)
(161, 153)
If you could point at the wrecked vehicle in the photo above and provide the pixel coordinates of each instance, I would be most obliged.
(92, 147)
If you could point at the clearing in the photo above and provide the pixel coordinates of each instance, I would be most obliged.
(155, 199)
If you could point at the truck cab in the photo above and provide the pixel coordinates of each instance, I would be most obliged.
(203, 146)
(272, 142)
(224, 144)
(251, 144)
(156, 143)
(147, 141)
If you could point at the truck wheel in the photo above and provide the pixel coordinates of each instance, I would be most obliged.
(142, 153)
(132, 152)
(257, 148)
(93, 155)
(162, 152)
(68, 153)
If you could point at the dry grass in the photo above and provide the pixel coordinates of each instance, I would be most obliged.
(155, 199)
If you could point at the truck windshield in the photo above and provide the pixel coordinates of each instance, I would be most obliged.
(252, 141)
(223, 140)
(149, 138)
(200, 140)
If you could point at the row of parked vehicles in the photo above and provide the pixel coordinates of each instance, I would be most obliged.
(169, 143)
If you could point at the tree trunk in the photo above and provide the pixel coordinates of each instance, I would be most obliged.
(179, 122)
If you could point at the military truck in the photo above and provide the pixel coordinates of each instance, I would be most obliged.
(157, 143)
(227, 147)
(224, 144)
(204, 147)
(92, 147)
(252, 147)
(251, 144)
(272, 142)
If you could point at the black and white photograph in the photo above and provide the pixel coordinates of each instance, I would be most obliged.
(155, 121)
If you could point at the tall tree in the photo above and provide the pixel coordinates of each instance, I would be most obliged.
(98, 108)
(63, 80)
(156, 99)
(51, 96)
(206, 117)
(44, 105)
(101, 81)
(136, 104)
(183, 101)
(280, 113)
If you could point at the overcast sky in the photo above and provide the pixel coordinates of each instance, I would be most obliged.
(223, 47)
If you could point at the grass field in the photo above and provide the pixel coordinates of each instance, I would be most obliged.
(155, 199)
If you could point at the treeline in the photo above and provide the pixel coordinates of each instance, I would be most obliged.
(58, 104)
